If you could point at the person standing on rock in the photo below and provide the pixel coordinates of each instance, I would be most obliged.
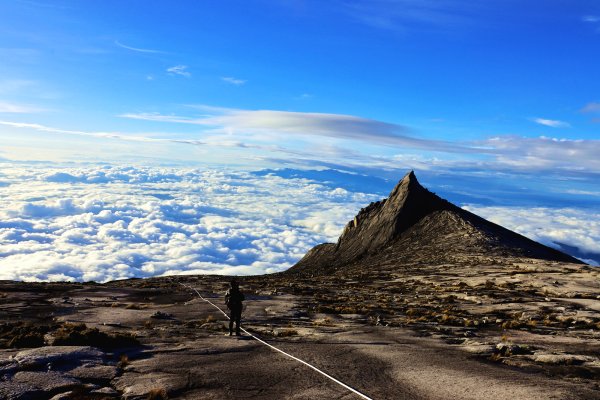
(233, 300)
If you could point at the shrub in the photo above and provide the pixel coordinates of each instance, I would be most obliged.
(286, 333)
(80, 335)
(33, 339)
(123, 361)
(157, 394)
(19, 334)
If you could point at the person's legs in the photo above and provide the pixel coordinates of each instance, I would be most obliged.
(238, 317)
(231, 318)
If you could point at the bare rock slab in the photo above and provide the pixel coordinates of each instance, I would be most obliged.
(42, 356)
(47, 382)
(8, 366)
(134, 385)
(94, 372)
(19, 391)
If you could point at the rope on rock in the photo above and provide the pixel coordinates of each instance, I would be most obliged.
(281, 351)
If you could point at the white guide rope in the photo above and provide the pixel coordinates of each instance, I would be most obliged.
(281, 351)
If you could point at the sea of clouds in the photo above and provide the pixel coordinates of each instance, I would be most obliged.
(110, 222)
(100, 223)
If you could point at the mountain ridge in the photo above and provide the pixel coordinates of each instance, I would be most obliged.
(413, 219)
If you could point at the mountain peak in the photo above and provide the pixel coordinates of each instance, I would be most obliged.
(408, 182)
(413, 217)
(381, 222)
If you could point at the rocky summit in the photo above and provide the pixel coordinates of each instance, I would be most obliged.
(416, 224)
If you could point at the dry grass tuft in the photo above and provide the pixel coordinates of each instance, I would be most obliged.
(133, 306)
(71, 334)
(286, 333)
(157, 394)
(123, 361)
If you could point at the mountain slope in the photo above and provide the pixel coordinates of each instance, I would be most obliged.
(412, 225)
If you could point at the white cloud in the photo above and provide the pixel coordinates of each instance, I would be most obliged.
(592, 107)
(28, 88)
(499, 152)
(575, 227)
(551, 123)
(591, 18)
(6, 107)
(403, 15)
(257, 136)
(584, 192)
(109, 222)
(179, 70)
(11, 86)
(272, 122)
(233, 81)
(138, 49)
(99, 134)
(543, 153)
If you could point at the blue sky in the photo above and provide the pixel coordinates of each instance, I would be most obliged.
(493, 103)
(501, 86)
(446, 69)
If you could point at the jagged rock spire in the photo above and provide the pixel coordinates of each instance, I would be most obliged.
(381, 222)
(413, 222)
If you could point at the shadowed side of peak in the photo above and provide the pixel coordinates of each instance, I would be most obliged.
(413, 223)
(381, 222)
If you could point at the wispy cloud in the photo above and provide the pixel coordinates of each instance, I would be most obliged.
(19, 108)
(149, 138)
(44, 4)
(271, 122)
(505, 152)
(48, 129)
(179, 70)
(233, 81)
(138, 49)
(407, 14)
(591, 18)
(304, 96)
(26, 88)
(298, 137)
(544, 152)
(16, 85)
(592, 107)
(551, 123)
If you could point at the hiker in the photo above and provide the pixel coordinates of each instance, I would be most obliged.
(233, 300)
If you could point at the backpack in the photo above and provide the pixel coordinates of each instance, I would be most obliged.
(233, 299)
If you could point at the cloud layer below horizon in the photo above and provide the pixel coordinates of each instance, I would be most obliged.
(105, 223)
(108, 222)
(265, 138)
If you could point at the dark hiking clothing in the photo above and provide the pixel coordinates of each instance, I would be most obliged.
(235, 315)
(234, 299)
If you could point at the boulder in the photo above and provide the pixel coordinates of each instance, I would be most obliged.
(105, 390)
(94, 372)
(19, 391)
(134, 385)
(43, 356)
(63, 396)
(8, 366)
(47, 382)
(562, 359)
